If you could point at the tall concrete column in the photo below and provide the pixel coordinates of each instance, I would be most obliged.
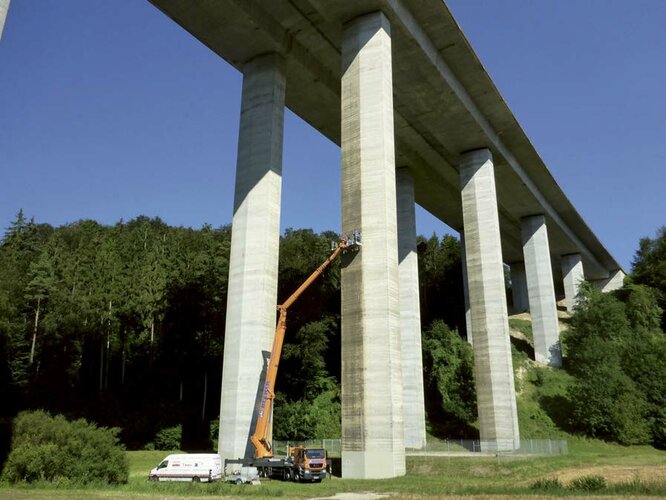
(253, 262)
(372, 421)
(468, 309)
(541, 292)
(496, 398)
(572, 273)
(410, 315)
(4, 8)
(519, 287)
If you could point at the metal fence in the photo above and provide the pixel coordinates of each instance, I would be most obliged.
(462, 446)
(448, 446)
(333, 446)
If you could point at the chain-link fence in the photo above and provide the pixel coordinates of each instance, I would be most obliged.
(526, 447)
(444, 446)
(333, 446)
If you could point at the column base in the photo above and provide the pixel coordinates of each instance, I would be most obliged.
(369, 465)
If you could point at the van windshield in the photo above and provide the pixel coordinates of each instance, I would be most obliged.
(315, 453)
(163, 464)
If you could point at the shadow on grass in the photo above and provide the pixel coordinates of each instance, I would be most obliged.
(559, 409)
(523, 346)
(446, 426)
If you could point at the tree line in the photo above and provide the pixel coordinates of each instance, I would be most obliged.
(124, 324)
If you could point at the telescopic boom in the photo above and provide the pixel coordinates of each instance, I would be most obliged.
(261, 438)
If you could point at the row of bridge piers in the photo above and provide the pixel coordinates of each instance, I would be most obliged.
(382, 378)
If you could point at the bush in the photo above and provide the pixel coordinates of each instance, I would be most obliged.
(546, 484)
(616, 352)
(54, 449)
(588, 483)
(448, 379)
(169, 438)
(304, 419)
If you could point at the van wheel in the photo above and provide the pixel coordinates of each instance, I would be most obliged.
(239, 481)
(195, 479)
(154, 478)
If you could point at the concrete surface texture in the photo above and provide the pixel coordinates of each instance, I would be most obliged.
(410, 316)
(519, 287)
(613, 282)
(572, 275)
(372, 421)
(4, 8)
(493, 369)
(541, 292)
(253, 262)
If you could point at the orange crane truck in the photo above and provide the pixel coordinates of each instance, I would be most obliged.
(301, 463)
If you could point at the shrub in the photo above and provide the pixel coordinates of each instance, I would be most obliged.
(52, 448)
(588, 483)
(303, 419)
(169, 438)
(545, 483)
(638, 487)
(448, 379)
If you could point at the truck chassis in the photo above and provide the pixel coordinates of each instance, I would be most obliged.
(280, 468)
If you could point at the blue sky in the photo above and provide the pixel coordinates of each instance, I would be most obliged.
(109, 110)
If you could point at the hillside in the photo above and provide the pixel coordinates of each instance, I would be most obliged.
(540, 390)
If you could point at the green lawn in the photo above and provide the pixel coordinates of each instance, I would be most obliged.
(643, 466)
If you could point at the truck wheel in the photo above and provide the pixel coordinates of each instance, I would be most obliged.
(195, 479)
(239, 481)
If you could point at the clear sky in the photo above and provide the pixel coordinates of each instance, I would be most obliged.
(109, 110)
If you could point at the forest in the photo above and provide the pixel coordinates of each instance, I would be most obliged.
(124, 325)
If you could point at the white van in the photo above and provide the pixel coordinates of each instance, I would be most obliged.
(195, 467)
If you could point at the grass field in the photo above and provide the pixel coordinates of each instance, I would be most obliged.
(629, 471)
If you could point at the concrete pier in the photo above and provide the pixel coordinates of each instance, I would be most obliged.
(614, 281)
(410, 315)
(519, 287)
(4, 8)
(372, 421)
(541, 292)
(496, 399)
(572, 275)
(253, 263)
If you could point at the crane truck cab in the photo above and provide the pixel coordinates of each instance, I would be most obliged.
(310, 464)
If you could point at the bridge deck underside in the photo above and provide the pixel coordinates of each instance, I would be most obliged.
(445, 104)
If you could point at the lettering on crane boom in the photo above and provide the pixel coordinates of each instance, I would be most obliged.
(264, 396)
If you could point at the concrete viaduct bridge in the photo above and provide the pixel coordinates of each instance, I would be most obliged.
(397, 86)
